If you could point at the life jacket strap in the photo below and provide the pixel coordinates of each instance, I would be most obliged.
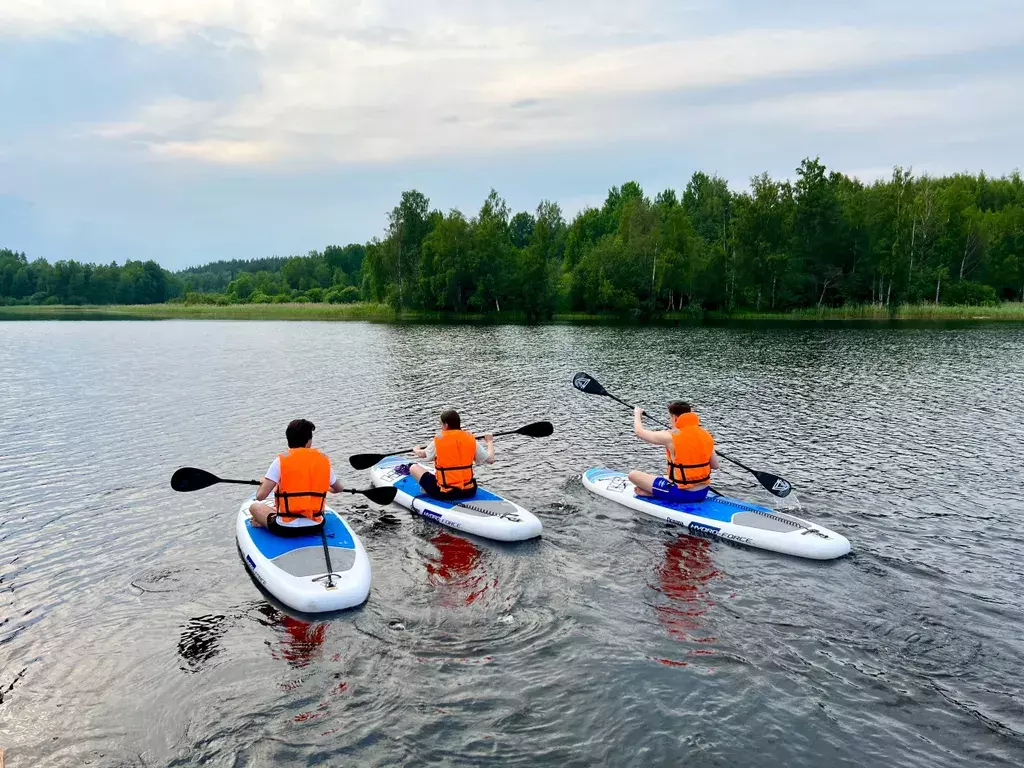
(284, 496)
(444, 482)
(683, 479)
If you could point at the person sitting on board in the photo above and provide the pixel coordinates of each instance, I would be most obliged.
(454, 453)
(690, 451)
(300, 479)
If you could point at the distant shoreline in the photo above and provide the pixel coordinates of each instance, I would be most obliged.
(382, 313)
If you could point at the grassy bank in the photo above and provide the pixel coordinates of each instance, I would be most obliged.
(1011, 311)
(367, 311)
(1005, 311)
(361, 311)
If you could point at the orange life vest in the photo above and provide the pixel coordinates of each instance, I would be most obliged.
(693, 447)
(456, 452)
(305, 480)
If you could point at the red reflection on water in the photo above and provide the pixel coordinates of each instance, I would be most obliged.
(301, 642)
(307, 716)
(687, 567)
(457, 568)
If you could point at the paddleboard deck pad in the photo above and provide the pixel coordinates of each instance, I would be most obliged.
(294, 570)
(484, 514)
(719, 517)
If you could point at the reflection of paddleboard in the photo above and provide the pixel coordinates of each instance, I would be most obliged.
(294, 570)
(300, 639)
(484, 514)
(719, 517)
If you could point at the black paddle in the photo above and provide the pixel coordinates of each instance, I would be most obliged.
(774, 484)
(367, 460)
(191, 479)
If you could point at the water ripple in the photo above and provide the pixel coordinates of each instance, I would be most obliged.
(131, 635)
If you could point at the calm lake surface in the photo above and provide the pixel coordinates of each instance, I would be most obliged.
(131, 635)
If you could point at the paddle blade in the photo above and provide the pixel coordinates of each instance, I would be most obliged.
(383, 495)
(537, 429)
(192, 479)
(774, 484)
(584, 382)
(364, 460)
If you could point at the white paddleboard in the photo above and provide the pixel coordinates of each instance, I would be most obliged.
(294, 570)
(484, 514)
(719, 517)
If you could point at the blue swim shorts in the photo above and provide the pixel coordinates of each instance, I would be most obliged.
(666, 490)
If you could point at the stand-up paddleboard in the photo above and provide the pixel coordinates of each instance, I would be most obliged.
(484, 514)
(294, 570)
(720, 517)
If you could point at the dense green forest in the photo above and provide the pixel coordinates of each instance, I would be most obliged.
(823, 240)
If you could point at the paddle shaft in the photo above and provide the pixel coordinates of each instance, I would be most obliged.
(407, 450)
(659, 422)
(257, 482)
(362, 491)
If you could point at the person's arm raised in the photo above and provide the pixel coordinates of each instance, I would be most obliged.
(654, 438)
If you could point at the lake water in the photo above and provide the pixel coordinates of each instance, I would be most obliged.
(131, 635)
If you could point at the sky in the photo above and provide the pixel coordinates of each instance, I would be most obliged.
(187, 131)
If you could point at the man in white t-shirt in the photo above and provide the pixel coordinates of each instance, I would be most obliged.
(299, 435)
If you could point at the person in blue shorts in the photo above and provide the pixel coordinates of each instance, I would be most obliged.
(690, 453)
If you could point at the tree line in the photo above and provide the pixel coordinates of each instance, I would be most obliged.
(71, 282)
(824, 239)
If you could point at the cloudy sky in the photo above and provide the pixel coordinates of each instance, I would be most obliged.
(191, 130)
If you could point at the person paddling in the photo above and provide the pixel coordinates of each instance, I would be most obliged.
(454, 453)
(690, 451)
(300, 479)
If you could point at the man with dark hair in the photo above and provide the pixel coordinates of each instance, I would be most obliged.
(454, 453)
(300, 479)
(690, 451)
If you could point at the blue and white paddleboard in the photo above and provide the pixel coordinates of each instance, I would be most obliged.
(719, 517)
(294, 570)
(484, 514)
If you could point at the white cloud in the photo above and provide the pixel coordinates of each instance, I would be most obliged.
(221, 151)
(385, 80)
(742, 57)
(865, 110)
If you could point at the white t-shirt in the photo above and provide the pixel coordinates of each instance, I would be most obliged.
(274, 472)
(480, 458)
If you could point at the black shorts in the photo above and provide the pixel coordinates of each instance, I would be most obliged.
(429, 485)
(292, 531)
